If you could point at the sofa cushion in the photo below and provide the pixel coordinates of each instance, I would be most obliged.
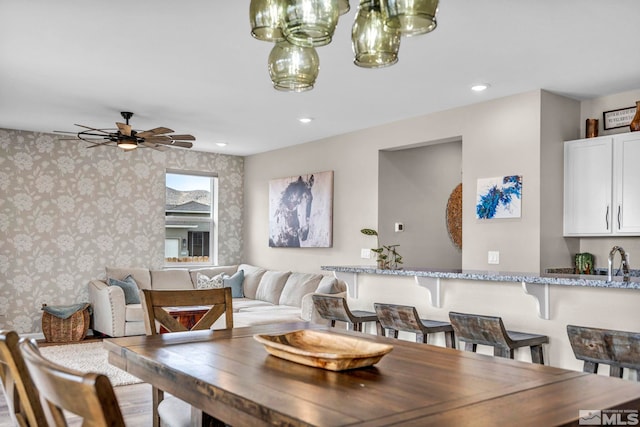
(328, 285)
(297, 286)
(264, 317)
(252, 276)
(271, 285)
(235, 283)
(140, 275)
(129, 287)
(240, 304)
(211, 272)
(205, 282)
(133, 313)
(171, 280)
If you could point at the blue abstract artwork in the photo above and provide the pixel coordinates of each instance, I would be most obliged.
(499, 197)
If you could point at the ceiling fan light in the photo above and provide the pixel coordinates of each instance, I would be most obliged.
(293, 68)
(374, 44)
(266, 19)
(310, 23)
(127, 145)
(411, 17)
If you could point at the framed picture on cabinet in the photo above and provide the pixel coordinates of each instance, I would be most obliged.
(618, 118)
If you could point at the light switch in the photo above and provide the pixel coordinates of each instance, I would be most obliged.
(493, 257)
(365, 253)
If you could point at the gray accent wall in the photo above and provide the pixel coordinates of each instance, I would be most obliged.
(414, 186)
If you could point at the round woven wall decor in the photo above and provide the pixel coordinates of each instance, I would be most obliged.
(454, 216)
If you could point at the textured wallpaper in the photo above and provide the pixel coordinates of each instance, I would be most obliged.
(67, 211)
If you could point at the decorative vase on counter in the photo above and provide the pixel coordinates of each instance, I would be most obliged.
(635, 122)
(584, 263)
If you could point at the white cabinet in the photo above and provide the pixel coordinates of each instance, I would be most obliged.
(602, 186)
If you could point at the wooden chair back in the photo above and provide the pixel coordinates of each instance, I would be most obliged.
(480, 329)
(20, 394)
(155, 301)
(89, 396)
(399, 318)
(618, 349)
(333, 308)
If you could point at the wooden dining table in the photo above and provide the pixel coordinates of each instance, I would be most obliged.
(229, 375)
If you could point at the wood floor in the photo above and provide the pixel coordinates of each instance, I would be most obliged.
(135, 403)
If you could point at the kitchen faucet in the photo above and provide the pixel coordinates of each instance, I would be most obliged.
(624, 263)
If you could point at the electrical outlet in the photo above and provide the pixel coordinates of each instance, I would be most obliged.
(365, 253)
(399, 227)
(493, 257)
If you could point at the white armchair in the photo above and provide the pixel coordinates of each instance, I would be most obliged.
(111, 316)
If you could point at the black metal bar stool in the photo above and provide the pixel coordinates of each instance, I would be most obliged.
(618, 349)
(335, 308)
(394, 318)
(474, 329)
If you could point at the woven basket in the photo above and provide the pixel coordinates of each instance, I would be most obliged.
(73, 328)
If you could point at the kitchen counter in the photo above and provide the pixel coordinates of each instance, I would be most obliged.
(536, 285)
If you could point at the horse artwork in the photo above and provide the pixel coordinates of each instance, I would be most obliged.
(300, 211)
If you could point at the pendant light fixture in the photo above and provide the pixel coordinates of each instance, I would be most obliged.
(298, 26)
(310, 22)
(374, 44)
(293, 68)
(411, 17)
(266, 19)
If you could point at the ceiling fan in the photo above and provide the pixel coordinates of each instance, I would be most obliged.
(128, 139)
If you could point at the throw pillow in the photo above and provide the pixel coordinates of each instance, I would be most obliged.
(328, 285)
(130, 288)
(206, 282)
(235, 283)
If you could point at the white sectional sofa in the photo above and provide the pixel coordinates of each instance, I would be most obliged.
(269, 296)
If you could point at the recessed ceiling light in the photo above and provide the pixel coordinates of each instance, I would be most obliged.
(305, 120)
(480, 87)
(221, 144)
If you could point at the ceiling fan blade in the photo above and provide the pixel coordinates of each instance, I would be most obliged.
(98, 144)
(158, 138)
(155, 146)
(152, 132)
(90, 128)
(183, 144)
(185, 137)
(124, 128)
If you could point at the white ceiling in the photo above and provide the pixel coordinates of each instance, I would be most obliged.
(193, 66)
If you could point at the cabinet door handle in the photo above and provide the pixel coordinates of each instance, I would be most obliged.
(619, 208)
(606, 217)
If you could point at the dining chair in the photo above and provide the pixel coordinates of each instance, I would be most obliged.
(335, 308)
(594, 346)
(171, 411)
(395, 317)
(474, 329)
(89, 396)
(21, 395)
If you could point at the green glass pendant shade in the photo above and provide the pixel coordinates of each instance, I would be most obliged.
(266, 19)
(310, 22)
(293, 68)
(411, 17)
(343, 6)
(374, 44)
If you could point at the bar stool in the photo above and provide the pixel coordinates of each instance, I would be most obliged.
(474, 329)
(618, 349)
(335, 308)
(405, 318)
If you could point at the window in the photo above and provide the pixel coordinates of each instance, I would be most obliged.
(191, 214)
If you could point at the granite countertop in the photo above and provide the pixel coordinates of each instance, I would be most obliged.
(563, 279)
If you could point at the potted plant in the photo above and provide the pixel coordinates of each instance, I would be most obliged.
(387, 257)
